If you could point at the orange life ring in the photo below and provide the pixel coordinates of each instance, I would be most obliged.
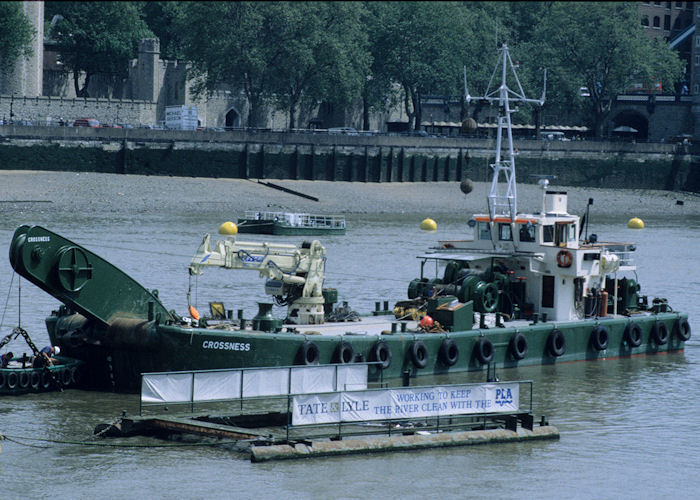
(564, 258)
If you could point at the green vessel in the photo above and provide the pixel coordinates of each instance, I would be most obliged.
(527, 290)
(290, 223)
(20, 378)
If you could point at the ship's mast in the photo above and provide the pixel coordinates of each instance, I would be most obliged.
(502, 199)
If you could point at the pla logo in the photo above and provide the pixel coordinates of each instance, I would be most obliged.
(504, 396)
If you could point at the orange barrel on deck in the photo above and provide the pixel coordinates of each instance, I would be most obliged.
(603, 304)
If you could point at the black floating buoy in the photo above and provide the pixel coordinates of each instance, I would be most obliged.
(467, 186)
(679, 202)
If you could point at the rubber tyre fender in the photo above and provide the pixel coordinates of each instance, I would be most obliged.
(659, 333)
(633, 334)
(419, 354)
(344, 353)
(483, 349)
(556, 343)
(308, 354)
(24, 380)
(518, 346)
(682, 329)
(34, 379)
(46, 379)
(65, 377)
(382, 353)
(12, 380)
(600, 338)
(449, 352)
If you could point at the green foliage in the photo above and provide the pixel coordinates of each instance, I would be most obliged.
(98, 37)
(160, 18)
(17, 32)
(599, 45)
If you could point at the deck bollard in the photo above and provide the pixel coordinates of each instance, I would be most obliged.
(403, 326)
(406, 378)
(386, 305)
(393, 328)
(376, 306)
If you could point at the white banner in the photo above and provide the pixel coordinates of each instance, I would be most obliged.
(209, 386)
(356, 406)
(226, 384)
(272, 382)
(166, 388)
(311, 379)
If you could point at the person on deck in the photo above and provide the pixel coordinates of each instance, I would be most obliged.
(5, 359)
(46, 356)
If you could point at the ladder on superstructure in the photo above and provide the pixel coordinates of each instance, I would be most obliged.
(502, 200)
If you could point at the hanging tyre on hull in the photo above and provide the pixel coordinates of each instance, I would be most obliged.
(382, 353)
(449, 352)
(682, 329)
(483, 350)
(659, 333)
(518, 346)
(419, 354)
(556, 343)
(344, 353)
(599, 338)
(633, 334)
(308, 354)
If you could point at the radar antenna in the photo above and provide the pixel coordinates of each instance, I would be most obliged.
(502, 200)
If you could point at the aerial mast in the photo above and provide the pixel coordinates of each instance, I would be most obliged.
(502, 197)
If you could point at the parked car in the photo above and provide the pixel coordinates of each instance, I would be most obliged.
(86, 122)
(343, 130)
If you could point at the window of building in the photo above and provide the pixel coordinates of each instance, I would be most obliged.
(484, 231)
(668, 5)
(504, 232)
(696, 88)
(679, 5)
(697, 60)
(645, 20)
(657, 22)
(667, 22)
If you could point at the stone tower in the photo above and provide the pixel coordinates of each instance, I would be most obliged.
(25, 76)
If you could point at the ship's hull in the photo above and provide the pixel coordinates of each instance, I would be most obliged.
(254, 226)
(117, 363)
(17, 380)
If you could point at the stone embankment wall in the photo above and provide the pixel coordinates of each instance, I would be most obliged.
(50, 110)
(381, 158)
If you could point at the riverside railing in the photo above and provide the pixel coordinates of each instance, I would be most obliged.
(245, 384)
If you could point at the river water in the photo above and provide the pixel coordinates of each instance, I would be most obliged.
(629, 427)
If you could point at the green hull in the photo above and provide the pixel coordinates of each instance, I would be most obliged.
(252, 226)
(17, 380)
(117, 366)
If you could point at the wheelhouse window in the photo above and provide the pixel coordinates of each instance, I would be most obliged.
(547, 234)
(504, 232)
(484, 230)
(526, 232)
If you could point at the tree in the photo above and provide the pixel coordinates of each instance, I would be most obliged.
(282, 52)
(98, 37)
(602, 47)
(422, 47)
(231, 43)
(160, 17)
(323, 54)
(17, 33)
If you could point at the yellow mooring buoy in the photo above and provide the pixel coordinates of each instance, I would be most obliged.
(228, 228)
(635, 223)
(428, 225)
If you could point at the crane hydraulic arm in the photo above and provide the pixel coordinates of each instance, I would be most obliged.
(295, 275)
